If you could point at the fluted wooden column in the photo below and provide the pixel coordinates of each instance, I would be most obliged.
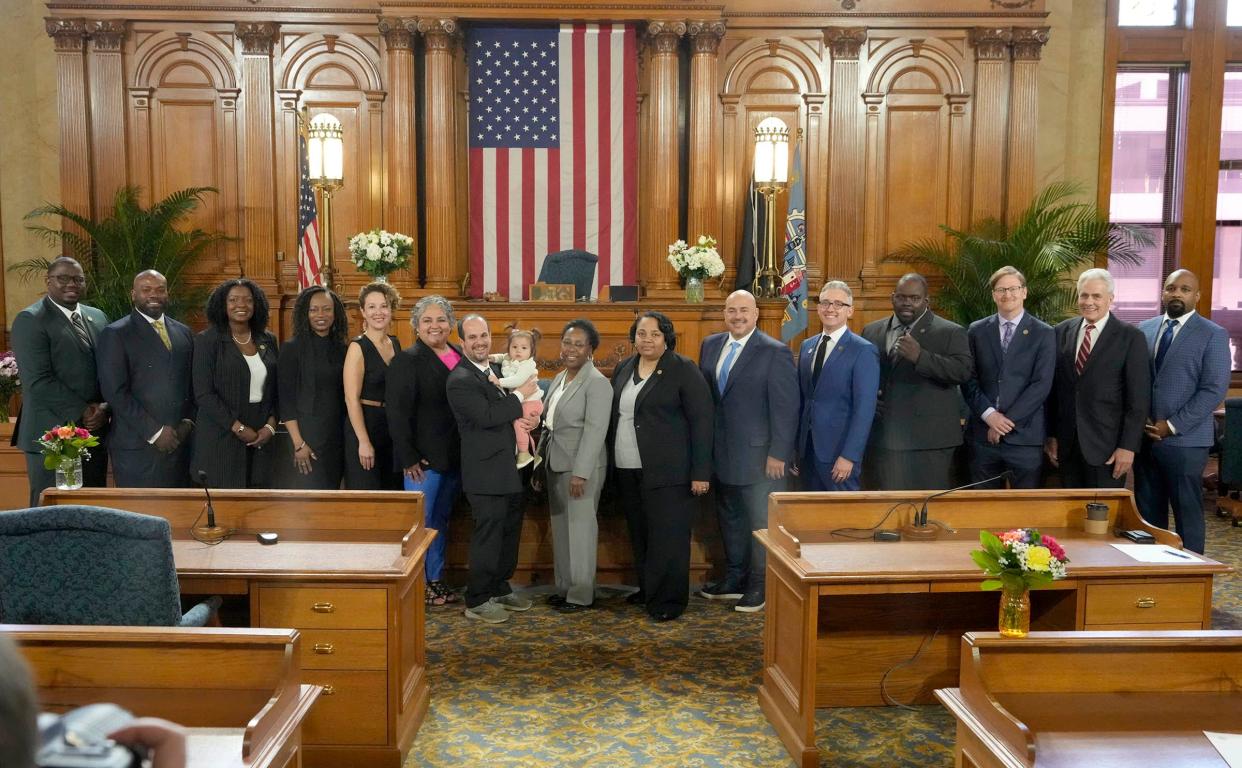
(991, 110)
(843, 259)
(258, 172)
(445, 265)
(107, 109)
(662, 175)
(1028, 43)
(401, 210)
(69, 39)
(704, 208)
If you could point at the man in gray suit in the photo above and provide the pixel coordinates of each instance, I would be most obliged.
(755, 389)
(923, 360)
(54, 340)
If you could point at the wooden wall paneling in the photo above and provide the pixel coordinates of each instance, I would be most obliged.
(288, 177)
(258, 164)
(704, 210)
(1028, 43)
(462, 184)
(106, 74)
(734, 187)
(991, 109)
(69, 39)
(237, 261)
(815, 173)
(445, 266)
(662, 178)
(139, 126)
(1112, 44)
(843, 257)
(339, 74)
(401, 168)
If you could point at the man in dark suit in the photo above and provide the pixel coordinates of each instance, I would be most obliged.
(54, 340)
(1100, 393)
(485, 414)
(1015, 353)
(1190, 364)
(755, 390)
(839, 379)
(145, 373)
(923, 360)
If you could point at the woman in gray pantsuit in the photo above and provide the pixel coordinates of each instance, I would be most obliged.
(578, 407)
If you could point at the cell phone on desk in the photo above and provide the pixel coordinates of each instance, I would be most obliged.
(79, 739)
(1138, 537)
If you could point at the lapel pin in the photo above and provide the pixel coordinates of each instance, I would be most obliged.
(659, 371)
(1025, 333)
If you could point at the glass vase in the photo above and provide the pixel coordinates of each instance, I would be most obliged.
(69, 474)
(1015, 612)
(694, 290)
(383, 278)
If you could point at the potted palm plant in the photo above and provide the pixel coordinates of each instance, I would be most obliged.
(128, 240)
(1051, 240)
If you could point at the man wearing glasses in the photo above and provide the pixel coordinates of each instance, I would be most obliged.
(54, 340)
(1015, 356)
(923, 360)
(839, 375)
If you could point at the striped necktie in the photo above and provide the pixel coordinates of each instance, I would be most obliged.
(1084, 351)
(79, 327)
(159, 328)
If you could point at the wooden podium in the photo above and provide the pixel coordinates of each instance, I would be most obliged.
(857, 622)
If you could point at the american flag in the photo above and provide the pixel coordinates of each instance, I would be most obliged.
(308, 226)
(553, 152)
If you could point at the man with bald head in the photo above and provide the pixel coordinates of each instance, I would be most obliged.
(144, 362)
(1189, 374)
(755, 388)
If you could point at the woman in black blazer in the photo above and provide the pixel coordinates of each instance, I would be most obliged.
(236, 419)
(312, 396)
(661, 442)
(423, 429)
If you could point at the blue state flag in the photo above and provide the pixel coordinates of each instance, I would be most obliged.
(793, 271)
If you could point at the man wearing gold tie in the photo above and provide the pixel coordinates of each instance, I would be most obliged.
(144, 372)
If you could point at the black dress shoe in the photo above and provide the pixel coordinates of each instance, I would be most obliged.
(663, 616)
(566, 607)
(637, 598)
(556, 600)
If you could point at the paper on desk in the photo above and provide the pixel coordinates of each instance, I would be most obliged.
(1156, 553)
(1229, 745)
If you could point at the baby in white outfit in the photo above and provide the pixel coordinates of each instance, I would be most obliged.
(517, 366)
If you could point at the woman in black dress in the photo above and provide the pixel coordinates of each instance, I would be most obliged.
(235, 389)
(312, 394)
(369, 463)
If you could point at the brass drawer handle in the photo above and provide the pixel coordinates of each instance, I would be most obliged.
(324, 648)
(323, 608)
(329, 690)
(1145, 602)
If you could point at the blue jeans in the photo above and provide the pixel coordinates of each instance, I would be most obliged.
(439, 492)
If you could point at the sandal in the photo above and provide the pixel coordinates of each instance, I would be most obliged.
(434, 594)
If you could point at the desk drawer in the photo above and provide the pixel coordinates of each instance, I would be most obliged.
(344, 649)
(1152, 602)
(353, 708)
(323, 608)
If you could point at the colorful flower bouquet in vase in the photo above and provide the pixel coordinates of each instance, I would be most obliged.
(64, 448)
(378, 252)
(10, 382)
(1016, 562)
(695, 262)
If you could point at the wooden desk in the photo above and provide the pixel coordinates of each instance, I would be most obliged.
(1068, 699)
(239, 691)
(843, 613)
(347, 573)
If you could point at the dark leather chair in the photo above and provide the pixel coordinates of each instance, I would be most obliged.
(577, 267)
(70, 564)
(1230, 476)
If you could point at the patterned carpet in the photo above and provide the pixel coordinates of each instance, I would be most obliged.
(609, 688)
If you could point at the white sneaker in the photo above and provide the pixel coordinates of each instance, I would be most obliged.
(488, 612)
(513, 602)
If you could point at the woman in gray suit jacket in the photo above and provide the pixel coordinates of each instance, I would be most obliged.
(578, 407)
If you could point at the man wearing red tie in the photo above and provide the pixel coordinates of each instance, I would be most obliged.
(1100, 393)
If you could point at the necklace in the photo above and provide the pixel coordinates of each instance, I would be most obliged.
(249, 336)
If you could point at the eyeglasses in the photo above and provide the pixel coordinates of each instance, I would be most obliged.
(63, 280)
(835, 304)
(1013, 289)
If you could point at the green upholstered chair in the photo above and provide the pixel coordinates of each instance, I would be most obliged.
(71, 564)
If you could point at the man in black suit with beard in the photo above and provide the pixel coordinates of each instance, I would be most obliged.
(144, 362)
(485, 414)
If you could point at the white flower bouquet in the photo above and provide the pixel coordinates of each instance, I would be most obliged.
(700, 260)
(379, 252)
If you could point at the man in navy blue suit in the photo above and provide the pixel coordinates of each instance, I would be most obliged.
(755, 389)
(839, 377)
(1015, 354)
(1189, 377)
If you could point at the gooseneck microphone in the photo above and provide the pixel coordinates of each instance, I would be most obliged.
(210, 533)
(920, 529)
